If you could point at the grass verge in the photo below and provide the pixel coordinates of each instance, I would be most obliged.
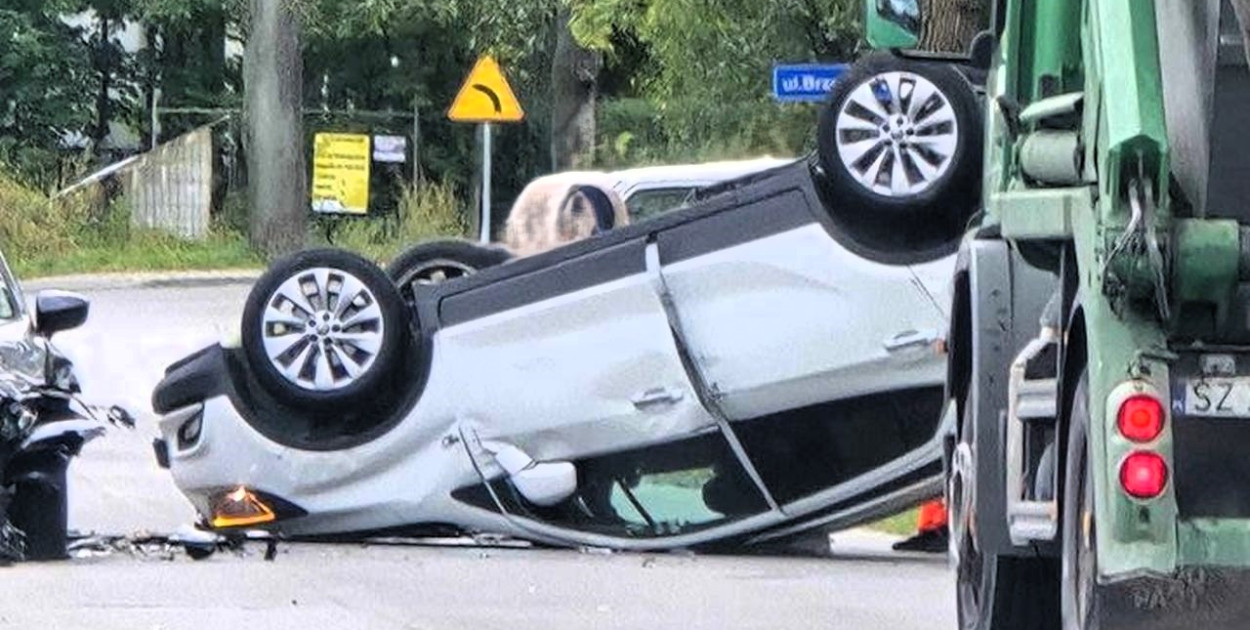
(146, 252)
(901, 524)
(46, 237)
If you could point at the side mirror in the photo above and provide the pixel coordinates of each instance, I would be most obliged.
(893, 23)
(541, 483)
(546, 483)
(56, 311)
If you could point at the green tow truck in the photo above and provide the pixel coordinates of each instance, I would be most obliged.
(1098, 449)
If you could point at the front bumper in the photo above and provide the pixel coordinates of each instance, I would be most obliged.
(401, 478)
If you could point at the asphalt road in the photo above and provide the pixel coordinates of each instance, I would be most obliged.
(116, 488)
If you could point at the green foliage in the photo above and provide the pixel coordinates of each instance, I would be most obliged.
(31, 226)
(901, 524)
(44, 74)
(698, 73)
(597, 23)
(715, 57)
(40, 236)
(684, 80)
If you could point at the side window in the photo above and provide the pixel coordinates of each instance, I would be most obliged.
(804, 451)
(645, 204)
(666, 490)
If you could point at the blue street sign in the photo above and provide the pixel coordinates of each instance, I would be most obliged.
(794, 83)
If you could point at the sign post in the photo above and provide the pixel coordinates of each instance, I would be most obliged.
(485, 183)
(486, 98)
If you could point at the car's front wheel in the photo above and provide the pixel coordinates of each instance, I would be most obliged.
(325, 330)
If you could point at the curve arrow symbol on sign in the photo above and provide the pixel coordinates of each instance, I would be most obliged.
(494, 98)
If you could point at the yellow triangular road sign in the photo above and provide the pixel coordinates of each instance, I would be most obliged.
(486, 96)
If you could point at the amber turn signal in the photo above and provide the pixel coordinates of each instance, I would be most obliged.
(238, 508)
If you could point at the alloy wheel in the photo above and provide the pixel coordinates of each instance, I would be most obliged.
(897, 134)
(322, 329)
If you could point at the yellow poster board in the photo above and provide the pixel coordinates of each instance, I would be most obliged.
(486, 96)
(340, 182)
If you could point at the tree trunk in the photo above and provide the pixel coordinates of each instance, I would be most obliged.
(274, 133)
(104, 67)
(574, 87)
(950, 25)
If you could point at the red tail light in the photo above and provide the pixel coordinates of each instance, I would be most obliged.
(1143, 475)
(1140, 418)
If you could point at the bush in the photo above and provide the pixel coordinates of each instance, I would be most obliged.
(42, 236)
(433, 210)
(31, 225)
(637, 132)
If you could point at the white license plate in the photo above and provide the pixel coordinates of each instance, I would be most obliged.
(1218, 397)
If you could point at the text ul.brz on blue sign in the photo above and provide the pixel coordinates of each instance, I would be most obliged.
(805, 82)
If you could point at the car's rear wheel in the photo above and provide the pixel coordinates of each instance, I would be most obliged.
(324, 330)
(436, 262)
(900, 150)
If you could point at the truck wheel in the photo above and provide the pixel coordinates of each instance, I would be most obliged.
(325, 329)
(1079, 595)
(438, 261)
(993, 592)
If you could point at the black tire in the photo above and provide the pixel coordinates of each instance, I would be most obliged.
(438, 261)
(386, 326)
(40, 507)
(996, 592)
(1079, 596)
(935, 211)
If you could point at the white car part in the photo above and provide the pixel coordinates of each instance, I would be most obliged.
(541, 483)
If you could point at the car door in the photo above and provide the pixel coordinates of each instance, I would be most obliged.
(823, 362)
(779, 315)
(566, 357)
(572, 359)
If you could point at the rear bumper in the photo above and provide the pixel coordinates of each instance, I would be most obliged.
(1207, 597)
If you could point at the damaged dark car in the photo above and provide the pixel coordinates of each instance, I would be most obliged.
(43, 423)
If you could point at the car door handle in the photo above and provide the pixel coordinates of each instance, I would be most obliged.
(910, 339)
(657, 396)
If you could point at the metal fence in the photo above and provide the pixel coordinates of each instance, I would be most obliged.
(170, 188)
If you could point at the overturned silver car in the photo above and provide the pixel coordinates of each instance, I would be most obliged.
(747, 368)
